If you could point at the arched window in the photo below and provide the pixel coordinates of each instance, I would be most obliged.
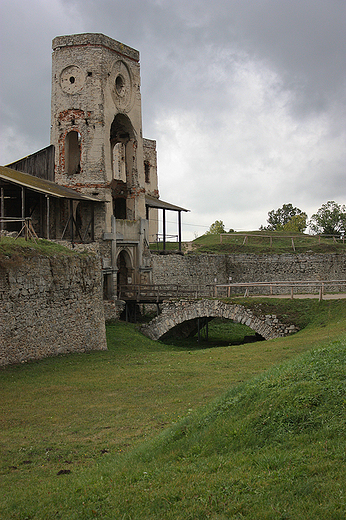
(147, 171)
(72, 152)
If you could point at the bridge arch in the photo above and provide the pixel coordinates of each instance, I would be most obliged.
(175, 313)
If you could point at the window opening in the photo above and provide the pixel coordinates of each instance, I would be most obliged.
(72, 152)
(119, 208)
(119, 163)
(147, 171)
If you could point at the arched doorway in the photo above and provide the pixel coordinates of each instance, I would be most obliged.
(125, 270)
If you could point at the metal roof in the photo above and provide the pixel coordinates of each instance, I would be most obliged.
(42, 185)
(152, 202)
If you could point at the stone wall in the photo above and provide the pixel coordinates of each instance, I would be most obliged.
(175, 313)
(209, 268)
(50, 306)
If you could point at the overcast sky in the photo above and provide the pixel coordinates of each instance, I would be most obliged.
(245, 98)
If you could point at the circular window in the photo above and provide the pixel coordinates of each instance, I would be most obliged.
(120, 85)
(72, 79)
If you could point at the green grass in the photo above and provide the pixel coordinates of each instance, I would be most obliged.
(221, 332)
(11, 248)
(154, 431)
(261, 244)
(170, 246)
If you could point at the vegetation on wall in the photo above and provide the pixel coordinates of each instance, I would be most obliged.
(10, 247)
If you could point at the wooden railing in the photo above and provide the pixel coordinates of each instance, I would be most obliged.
(159, 293)
(271, 237)
(320, 287)
(27, 228)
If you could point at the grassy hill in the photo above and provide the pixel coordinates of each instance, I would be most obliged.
(258, 242)
(155, 431)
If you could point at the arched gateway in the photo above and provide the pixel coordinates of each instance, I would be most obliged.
(175, 313)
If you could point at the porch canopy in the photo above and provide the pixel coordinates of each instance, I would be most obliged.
(22, 195)
(152, 202)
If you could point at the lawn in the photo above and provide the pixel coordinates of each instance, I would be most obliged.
(259, 243)
(153, 430)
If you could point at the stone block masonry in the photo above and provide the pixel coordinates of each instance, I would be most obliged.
(175, 313)
(50, 306)
(209, 268)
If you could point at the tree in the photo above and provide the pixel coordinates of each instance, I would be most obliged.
(330, 219)
(216, 228)
(297, 224)
(278, 219)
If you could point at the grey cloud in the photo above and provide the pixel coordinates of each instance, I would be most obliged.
(233, 91)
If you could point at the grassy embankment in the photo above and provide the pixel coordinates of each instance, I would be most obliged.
(149, 430)
(12, 249)
(259, 244)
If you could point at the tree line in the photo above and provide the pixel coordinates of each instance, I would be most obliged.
(330, 219)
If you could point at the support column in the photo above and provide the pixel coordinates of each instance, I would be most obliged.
(48, 216)
(92, 222)
(164, 229)
(71, 219)
(179, 229)
(23, 211)
(2, 208)
(114, 257)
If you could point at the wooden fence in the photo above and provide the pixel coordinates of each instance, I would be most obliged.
(158, 293)
(320, 287)
(271, 237)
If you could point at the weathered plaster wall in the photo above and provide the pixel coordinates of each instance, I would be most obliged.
(50, 306)
(208, 269)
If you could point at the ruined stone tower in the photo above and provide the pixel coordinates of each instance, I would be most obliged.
(96, 128)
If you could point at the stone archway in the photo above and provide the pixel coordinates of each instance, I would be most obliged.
(175, 313)
(124, 166)
(125, 268)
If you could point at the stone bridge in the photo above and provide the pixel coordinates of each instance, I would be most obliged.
(176, 314)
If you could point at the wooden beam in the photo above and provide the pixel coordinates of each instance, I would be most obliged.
(23, 210)
(179, 229)
(164, 229)
(92, 222)
(71, 217)
(2, 208)
(47, 216)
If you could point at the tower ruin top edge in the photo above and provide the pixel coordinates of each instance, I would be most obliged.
(95, 40)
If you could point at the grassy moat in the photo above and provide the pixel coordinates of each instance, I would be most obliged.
(148, 430)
